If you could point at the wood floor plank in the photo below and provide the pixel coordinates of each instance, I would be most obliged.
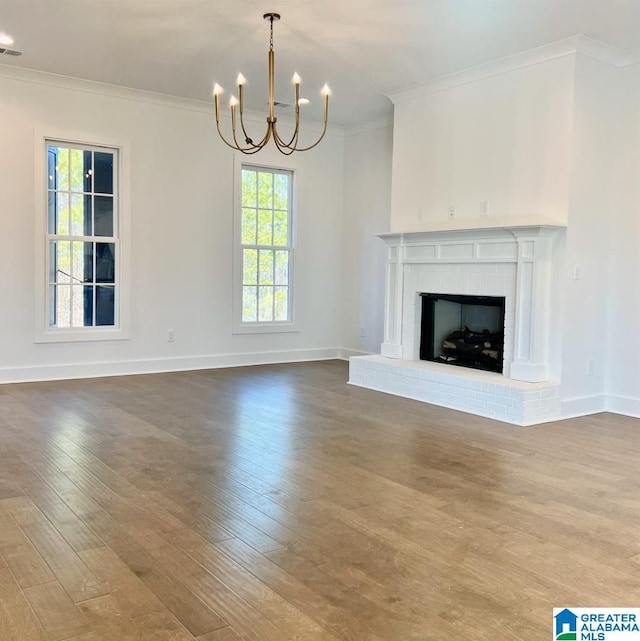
(133, 597)
(76, 578)
(177, 598)
(56, 611)
(257, 593)
(231, 607)
(16, 551)
(27, 565)
(17, 620)
(23, 510)
(161, 627)
(225, 634)
(305, 584)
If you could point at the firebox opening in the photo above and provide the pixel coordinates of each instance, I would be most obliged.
(467, 331)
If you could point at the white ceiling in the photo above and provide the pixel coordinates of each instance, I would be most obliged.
(363, 49)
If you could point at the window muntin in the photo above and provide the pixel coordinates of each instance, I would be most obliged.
(266, 245)
(82, 236)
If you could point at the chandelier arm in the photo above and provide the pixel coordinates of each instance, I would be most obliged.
(263, 141)
(252, 148)
(294, 139)
(265, 138)
(249, 141)
(248, 151)
(293, 145)
(224, 140)
(283, 149)
(244, 131)
(315, 144)
(233, 128)
(324, 129)
(245, 150)
(256, 148)
(296, 131)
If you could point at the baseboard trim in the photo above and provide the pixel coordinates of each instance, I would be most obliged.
(626, 405)
(583, 406)
(159, 365)
(346, 353)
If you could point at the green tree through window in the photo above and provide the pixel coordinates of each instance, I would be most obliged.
(266, 245)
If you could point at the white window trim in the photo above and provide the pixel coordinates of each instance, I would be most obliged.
(42, 332)
(274, 327)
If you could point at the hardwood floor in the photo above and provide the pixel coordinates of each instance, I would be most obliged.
(277, 503)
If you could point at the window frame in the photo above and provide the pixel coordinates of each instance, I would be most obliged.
(262, 327)
(44, 333)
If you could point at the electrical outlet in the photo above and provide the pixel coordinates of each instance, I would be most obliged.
(171, 336)
(451, 212)
(576, 272)
(484, 208)
(362, 332)
(591, 368)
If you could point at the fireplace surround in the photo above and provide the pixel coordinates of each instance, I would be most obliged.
(513, 261)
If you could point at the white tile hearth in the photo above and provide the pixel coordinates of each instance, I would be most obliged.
(481, 393)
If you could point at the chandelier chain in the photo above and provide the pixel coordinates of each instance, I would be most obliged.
(271, 33)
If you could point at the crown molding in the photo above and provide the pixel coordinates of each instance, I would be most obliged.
(579, 44)
(33, 76)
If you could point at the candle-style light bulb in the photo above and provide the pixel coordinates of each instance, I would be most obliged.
(325, 91)
(296, 80)
(217, 89)
(233, 101)
(241, 80)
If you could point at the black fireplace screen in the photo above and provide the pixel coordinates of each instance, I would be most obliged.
(463, 330)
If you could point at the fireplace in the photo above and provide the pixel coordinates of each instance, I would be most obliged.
(462, 330)
(507, 270)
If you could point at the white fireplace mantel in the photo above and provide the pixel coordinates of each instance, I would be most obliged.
(526, 247)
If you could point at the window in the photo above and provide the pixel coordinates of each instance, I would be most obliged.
(266, 246)
(82, 237)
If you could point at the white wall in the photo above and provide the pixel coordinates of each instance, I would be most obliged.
(623, 344)
(592, 210)
(366, 213)
(505, 139)
(181, 228)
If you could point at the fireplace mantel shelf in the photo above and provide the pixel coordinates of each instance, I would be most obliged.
(476, 225)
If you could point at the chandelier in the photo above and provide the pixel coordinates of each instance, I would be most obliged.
(236, 106)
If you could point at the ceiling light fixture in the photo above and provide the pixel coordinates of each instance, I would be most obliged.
(5, 39)
(236, 105)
